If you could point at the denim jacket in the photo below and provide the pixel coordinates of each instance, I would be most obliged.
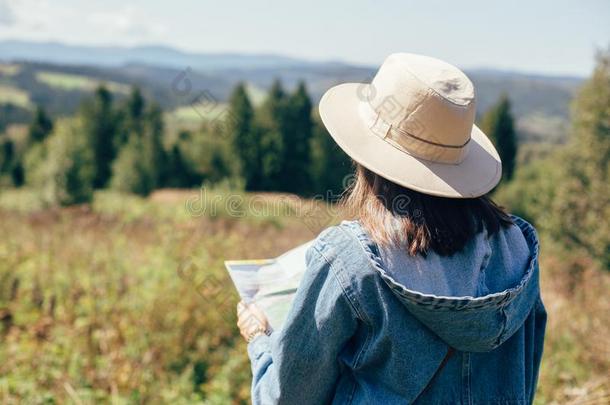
(372, 326)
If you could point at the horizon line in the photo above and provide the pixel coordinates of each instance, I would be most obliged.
(302, 59)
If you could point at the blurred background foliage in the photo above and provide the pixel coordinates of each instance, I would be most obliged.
(567, 194)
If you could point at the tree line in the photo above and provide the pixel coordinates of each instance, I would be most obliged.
(103, 145)
(279, 145)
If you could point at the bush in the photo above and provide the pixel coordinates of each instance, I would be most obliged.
(530, 194)
(61, 168)
(568, 194)
(209, 156)
(132, 171)
(582, 201)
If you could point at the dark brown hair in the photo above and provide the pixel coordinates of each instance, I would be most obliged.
(395, 215)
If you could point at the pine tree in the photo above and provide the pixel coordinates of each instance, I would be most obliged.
(178, 172)
(100, 128)
(40, 127)
(7, 161)
(7, 154)
(11, 163)
(141, 164)
(498, 124)
(153, 142)
(244, 138)
(296, 137)
(130, 117)
(330, 166)
(271, 123)
(135, 109)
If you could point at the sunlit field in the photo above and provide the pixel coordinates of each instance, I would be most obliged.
(14, 95)
(66, 81)
(126, 300)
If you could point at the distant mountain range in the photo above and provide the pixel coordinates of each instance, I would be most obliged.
(59, 76)
(114, 56)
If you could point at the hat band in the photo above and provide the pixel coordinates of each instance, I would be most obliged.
(409, 143)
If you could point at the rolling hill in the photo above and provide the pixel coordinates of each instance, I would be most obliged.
(59, 76)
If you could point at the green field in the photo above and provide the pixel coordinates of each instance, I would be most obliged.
(9, 69)
(126, 300)
(13, 95)
(192, 116)
(66, 81)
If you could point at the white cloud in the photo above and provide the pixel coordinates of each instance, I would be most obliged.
(38, 17)
(128, 21)
(7, 17)
(81, 22)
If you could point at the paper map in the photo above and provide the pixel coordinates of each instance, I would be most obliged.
(270, 283)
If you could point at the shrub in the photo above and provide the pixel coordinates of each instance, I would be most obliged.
(132, 171)
(61, 168)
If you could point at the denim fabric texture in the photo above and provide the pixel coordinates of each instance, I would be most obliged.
(372, 326)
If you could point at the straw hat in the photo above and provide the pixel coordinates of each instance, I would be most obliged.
(414, 125)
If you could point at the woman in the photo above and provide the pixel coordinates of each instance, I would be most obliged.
(431, 296)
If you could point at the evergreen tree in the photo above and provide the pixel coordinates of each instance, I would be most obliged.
(178, 172)
(135, 109)
(7, 159)
(40, 127)
(153, 142)
(271, 125)
(100, 128)
(11, 165)
(498, 124)
(179, 169)
(141, 164)
(330, 166)
(130, 119)
(7, 154)
(244, 138)
(296, 137)
(18, 173)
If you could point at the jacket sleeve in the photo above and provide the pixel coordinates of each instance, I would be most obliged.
(299, 364)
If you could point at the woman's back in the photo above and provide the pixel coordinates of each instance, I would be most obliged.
(465, 300)
(357, 334)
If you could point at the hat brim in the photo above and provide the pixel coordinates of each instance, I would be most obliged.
(476, 175)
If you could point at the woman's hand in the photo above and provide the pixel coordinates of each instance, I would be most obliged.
(251, 321)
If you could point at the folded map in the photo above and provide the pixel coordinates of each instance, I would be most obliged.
(270, 283)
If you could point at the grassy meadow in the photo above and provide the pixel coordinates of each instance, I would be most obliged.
(14, 95)
(67, 81)
(126, 300)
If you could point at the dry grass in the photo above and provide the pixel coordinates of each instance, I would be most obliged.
(127, 301)
(576, 361)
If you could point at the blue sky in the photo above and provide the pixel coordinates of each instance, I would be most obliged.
(552, 37)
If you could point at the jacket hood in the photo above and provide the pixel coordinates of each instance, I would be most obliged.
(476, 324)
